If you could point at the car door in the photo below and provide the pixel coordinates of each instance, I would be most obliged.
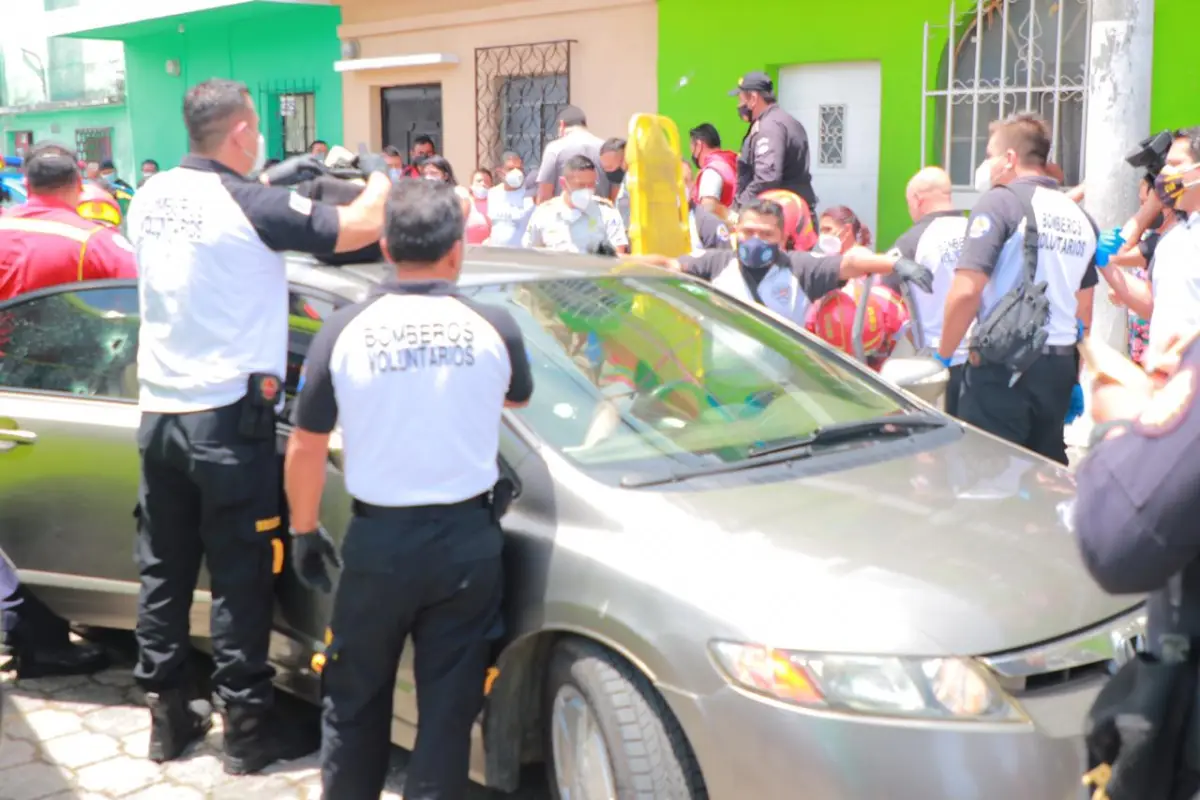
(68, 455)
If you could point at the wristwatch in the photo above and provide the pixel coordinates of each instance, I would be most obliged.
(1101, 430)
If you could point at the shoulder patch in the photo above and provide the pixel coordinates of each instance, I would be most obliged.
(300, 204)
(1169, 405)
(121, 242)
(981, 225)
(722, 232)
(762, 146)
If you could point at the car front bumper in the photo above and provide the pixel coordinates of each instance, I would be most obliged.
(749, 746)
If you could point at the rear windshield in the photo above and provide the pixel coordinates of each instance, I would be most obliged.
(637, 373)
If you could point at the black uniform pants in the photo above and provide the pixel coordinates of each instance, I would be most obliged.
(435, 573)
(207, 492)
(26, 623)
(954, 389)
(1032, 412)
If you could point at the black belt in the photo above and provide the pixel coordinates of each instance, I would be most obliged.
(1058, 350)
(370, 511)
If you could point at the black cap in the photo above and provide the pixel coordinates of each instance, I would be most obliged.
(107, 164)
(754, 82)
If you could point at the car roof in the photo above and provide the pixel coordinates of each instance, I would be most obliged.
(482, 265)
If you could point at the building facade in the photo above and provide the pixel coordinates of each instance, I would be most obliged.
(899, 85)
(484, 76)
(283, 51)
(69, 91)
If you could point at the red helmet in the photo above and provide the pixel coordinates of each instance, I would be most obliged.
(798, 228)
(832, 319)
(97, 204)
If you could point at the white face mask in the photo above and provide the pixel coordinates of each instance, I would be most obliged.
(435, 178)
(983, 176)
(582, 198)
(514, 179)
(260, 157)
(829, 245)
(480, 192)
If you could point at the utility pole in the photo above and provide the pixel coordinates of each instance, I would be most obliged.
(1118, 117)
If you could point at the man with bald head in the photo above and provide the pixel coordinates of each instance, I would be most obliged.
(935, 241)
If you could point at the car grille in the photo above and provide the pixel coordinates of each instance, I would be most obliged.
(1080, 656)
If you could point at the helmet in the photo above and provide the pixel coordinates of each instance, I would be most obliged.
(832, 319)
(97, 204)
(798, 229)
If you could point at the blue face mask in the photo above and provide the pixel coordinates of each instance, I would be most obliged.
(757, 254)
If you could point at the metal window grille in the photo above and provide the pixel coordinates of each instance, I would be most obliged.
(999, 58)
(519, 90)
(299, 112)
(831, 136)
(93, 144)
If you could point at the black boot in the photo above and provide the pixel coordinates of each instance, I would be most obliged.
(42, 661)
(255, 739)
(175, 723)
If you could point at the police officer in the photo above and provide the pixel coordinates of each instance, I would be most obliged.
(775, 151)
(1031, 407)
(1135, 522)
(575, 221)
(417, 376)
(45, 242)
(935, 241)
(211, 358)
(785, 282)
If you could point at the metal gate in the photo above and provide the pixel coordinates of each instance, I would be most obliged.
(93, 145)
(288, 110)
(519, 90)
(997, 58)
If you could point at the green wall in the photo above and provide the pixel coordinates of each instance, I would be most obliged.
(59, 126)
(289, 49)
(699, 62)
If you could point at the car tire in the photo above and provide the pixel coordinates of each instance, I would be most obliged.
(648, 757)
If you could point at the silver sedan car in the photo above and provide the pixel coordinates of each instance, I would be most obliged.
(739, 565)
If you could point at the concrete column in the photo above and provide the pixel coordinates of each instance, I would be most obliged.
(1118, 117)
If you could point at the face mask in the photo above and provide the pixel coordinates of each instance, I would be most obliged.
(1170, 185)
(755, 254)
(147, 175)
(514, 179)
(744, 113)
(395, 174)
(480, 192)
(435, 178)
(829, 245)
(615, 177)
(983, 176)
(696, 160)
(581, 198)
(260, 157)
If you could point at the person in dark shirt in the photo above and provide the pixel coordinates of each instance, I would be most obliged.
(775, 151)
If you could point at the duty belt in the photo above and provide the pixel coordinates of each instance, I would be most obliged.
(1058, 350)
(370, 511)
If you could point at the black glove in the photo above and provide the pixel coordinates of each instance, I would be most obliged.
(603, 248)
(371, 162)
(310, 552)
(917, 274)
(295, 170)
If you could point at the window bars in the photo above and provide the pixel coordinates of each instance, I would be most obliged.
(519, 90)
(998, 58)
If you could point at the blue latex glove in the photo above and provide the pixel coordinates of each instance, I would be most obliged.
(1076, 409)
(1108, 245)
(945, 362)
(1079, 330)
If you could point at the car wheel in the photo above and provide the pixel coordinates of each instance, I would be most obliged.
(609, 734)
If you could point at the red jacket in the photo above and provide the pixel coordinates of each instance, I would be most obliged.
(724, 163)
(46, 243)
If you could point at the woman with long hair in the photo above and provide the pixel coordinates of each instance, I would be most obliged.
(843, 225)
(437, 168)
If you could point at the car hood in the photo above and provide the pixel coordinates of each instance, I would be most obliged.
(965, 549)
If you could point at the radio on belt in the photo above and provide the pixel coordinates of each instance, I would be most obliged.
(258, 413)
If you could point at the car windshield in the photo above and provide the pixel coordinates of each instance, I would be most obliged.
(645, 374)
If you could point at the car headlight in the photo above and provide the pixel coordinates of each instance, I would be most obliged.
(915, 688)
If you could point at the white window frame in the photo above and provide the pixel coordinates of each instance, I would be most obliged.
(973, 90)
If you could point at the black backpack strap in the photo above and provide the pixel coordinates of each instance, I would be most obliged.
(1030, 239)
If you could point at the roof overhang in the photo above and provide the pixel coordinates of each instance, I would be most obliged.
(120, 21)
(395, 62)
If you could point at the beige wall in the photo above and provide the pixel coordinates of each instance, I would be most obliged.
(614, 59)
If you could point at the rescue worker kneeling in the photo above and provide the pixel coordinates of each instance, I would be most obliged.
(417, 377)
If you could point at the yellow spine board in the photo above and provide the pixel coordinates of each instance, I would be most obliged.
(658, 207)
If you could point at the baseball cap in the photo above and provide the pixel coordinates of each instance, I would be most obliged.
(754, 82)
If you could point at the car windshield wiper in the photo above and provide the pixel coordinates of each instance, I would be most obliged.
(798, 448)
(835, 433)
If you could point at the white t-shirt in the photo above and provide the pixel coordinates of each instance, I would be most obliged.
(509, 212)
(1175, 282)
(711, 184)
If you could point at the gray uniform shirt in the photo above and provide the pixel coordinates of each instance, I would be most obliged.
(575, 142)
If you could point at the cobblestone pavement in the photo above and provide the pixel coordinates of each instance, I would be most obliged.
(85, 738)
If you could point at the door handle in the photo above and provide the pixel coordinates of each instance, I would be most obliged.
(17, 437)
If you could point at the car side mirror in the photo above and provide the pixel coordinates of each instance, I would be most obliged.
(923, 376)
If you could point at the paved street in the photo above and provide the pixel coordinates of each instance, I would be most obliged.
(84, 738)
